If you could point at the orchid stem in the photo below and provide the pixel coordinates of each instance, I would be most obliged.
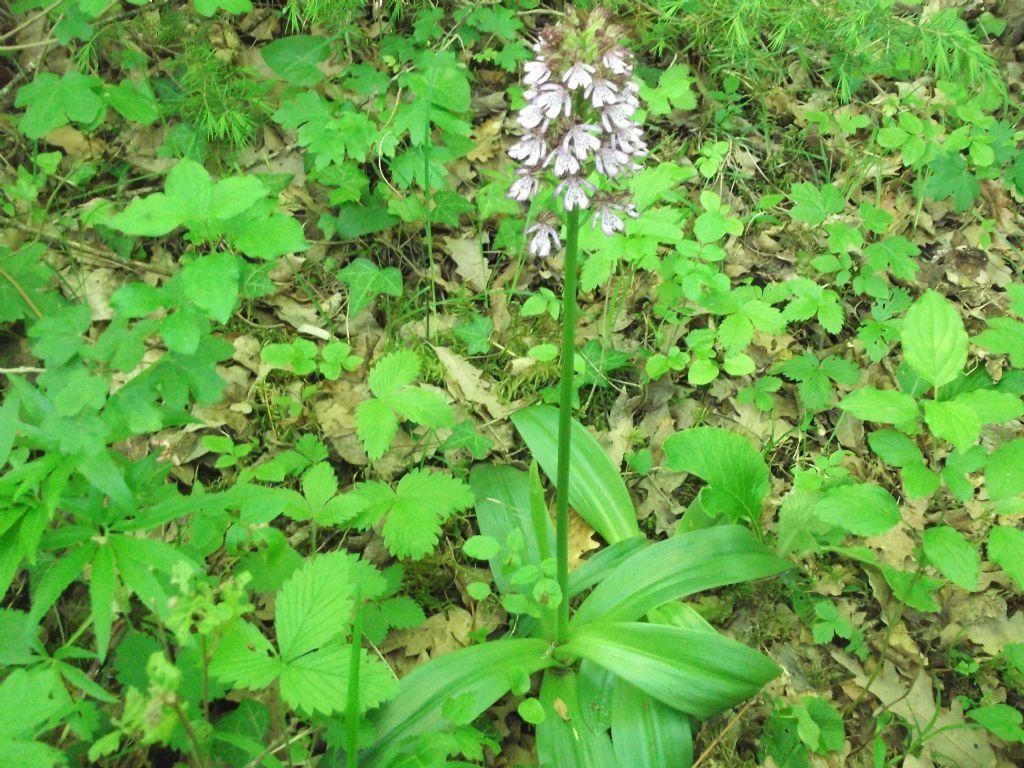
(565, 398)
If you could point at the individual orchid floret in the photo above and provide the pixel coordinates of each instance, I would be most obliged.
(574, 192)
(525, 187)
(618, 116)
(536, 72)
(601, 93)
(610, 160)
(552, 99)
(530, 150)
(566, 163)
(617, 60)
(581, 140)
(609, 220)
(579, 75)
(532, 116)
(544, 239)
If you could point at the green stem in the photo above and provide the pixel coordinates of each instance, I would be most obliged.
(565, 393)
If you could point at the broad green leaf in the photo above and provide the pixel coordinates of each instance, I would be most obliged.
(934, 339)
(314, 606)
(677, 567)
(481, 547)
(481, 674)
(956, 558)
(894, 448)
(674, 90)
(690, 670)
(952, 420)
(991, 406)
(950, 177)
(647, 733)
(295, 58)
(914, 589)
(210, 7)
(1004, 336)
(212, 283)
(564, 737)
(861, 509)
(1004, 471)
(735, 472)
(133, 101)
(1006, 549)
(1001, 719)
(596, 489)
(503, 506)
(886, 406)
(150, 216)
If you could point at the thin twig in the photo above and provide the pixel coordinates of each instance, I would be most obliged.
(21, 292)
(20, 369)
(30, 20)
(24, 46)
(736, 718)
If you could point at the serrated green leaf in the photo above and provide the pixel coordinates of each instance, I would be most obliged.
(954, 421)
(318, 681)
(244, 658)
(212, 283)
(101, 597)
(423, 500)
(813, 204)
(376, 425)
(314, 606)
(735, 472)
(886, 406)
(1003, 476)
(1006, 549)
(861, 509)
(422, 406)
(934, 339)
(295, 58)
(365, 281)
(956, 558)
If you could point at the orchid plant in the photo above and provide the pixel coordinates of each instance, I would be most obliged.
(630, 671)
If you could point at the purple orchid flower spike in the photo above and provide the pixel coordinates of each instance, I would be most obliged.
(579, 125)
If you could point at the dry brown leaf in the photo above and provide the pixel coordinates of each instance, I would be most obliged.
(581, 539)
(466, 382)
(487, 136)
(915, 702)
(470, 264)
